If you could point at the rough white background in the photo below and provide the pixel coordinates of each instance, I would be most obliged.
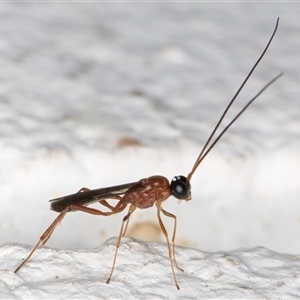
(99, 94)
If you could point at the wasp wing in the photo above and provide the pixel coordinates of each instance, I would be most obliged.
(91, 196)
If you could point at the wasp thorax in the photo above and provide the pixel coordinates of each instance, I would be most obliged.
(181, 188)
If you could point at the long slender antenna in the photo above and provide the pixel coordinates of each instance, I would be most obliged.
(203, 153)
(237, 116)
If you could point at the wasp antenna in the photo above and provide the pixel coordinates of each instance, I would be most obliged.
(203, 153)
(238, 115)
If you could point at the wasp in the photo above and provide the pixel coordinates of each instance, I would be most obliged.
(146, 192)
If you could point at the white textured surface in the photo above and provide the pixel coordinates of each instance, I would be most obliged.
(143, 271)
(78, 79)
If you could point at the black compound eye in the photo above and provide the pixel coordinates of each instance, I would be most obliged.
(181, 188)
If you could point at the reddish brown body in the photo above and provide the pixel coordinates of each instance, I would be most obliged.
(147, 191)
(141, 194)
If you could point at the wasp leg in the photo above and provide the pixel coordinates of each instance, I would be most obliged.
(121, 234)
(162, 226)
(46, 235)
